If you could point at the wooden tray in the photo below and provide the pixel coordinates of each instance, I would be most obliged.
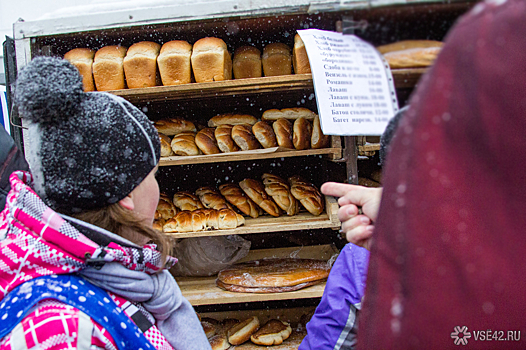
(204, 291)
(264, 224)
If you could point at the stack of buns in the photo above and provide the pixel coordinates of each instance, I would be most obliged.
(292, 128)
(411, 53)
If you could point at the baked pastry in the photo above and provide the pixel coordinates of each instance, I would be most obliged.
(174, 63)
(300, 60)
(412, 58)
(209, 328)
(242, 331)
(276, 60)
(181, 222)
(244, 138)
(187, 201)
(255, 190)
(225, 142)
(247, 62)
(229, 219)
(82, 59)
(206, 141)
(211, 60)
(232, 119)
(166, 148)
(174, 126)
(183, 144)
(140, 65)
(158, 224)
(408, 44)
(274, 332)
(288, 113)
(212, 198)
(165, 197)
(302, 133)
(228, 323)
(265, 134)
(166, 209)
(308, 195)
(108, 69)
(235, 196)
(283, 130)
(318, 138)
(219, 342)
(273, 275)
(279, 190)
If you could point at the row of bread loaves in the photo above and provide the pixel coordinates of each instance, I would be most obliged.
(147, 64)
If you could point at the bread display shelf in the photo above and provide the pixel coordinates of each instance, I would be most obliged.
(264, 224)
(274, 152)
(203, 290)
(403, 78)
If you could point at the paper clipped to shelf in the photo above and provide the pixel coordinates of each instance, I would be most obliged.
(354, 86)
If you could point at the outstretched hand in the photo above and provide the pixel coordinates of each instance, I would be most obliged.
(358, 228)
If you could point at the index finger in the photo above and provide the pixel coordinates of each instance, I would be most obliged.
(338, 189)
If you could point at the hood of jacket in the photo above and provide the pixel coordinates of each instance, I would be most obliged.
(37, 241)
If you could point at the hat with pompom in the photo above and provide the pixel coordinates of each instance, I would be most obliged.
(87, 150)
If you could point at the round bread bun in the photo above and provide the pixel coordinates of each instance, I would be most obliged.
(206, 141)
(265, 134)
(225, 142)
(242, 331)
(274, 332)
(283, 130)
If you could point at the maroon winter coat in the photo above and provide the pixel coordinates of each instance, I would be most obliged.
(449, 247)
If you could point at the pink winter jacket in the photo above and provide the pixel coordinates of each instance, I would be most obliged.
(35, 241)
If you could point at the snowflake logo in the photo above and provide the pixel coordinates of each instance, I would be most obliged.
(461, 335)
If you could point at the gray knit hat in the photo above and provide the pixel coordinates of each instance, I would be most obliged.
(88, 150)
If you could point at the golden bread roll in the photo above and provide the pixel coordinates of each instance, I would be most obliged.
(211, 60)
(232, 119)
(82, 59)
(140, 65)
(308, 195)
(181, 222)
(166, 209)
(187, 201)
(174, 63)
(108, 69)
(279, 190)
(247, 62)
(158, 224)
(302, 133)
(157, 215)
(209, 328)
(288, 113)
(265, 134)
(166, 148)
(174, 126)
(408, 44)
(212, 198)
(228, 323)
(165, 197)
(219, 342)
(225, 142)
(242, 331)
(300, 60)
(183, 144)
(276, 60)
(244, 138)
(229, 219)
(235, 195)
(283, 131)
(274, 332)
(318, 138)
(206, 141)
(412, 58)
(255, 190)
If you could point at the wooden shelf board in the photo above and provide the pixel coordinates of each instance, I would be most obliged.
(370, 147)
(268, 153)
(264, 224)
(403, 78)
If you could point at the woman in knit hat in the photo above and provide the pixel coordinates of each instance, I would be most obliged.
(77, 247)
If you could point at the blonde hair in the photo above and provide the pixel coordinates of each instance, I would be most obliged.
(117, 219)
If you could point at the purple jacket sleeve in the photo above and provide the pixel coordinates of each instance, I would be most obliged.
(334, 323)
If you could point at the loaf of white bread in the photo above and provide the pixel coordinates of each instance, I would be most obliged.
(174, 126)
(174, 63)
(300, 60)
(276, 60)
(232, 119)
(411, 53)
(108, 68)
(211, 60)
(288, 113)
(82, 59)
(140, 65)
(247, 62)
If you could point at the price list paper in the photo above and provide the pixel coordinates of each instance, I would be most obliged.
(353, 83)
